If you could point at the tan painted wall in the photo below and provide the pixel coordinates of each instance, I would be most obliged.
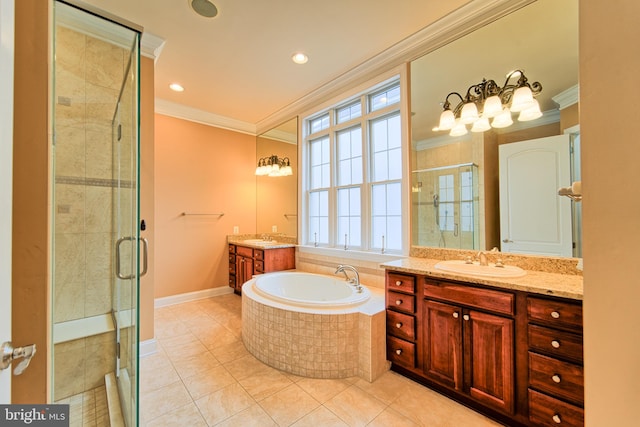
(147, 192)
(199, 169)
(609, 33)
(30, 252)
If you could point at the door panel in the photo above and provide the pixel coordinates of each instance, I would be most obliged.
(443, 343)
(492, 360)
(533, 218)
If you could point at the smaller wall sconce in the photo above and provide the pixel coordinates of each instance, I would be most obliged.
(486, 100)
(574, 192)
(274, 166)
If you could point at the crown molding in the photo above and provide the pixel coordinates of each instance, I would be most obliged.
(458, 23)
(151, 46)
(568, 97)
(171, 109)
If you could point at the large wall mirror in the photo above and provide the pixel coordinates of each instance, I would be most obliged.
(277, 195)
(481, 190)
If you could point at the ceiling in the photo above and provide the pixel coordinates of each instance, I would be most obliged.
(238, 65)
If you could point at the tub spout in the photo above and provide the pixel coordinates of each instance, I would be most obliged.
(355, 281)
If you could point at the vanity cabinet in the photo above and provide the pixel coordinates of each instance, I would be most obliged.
(246, 261)
(513, 355)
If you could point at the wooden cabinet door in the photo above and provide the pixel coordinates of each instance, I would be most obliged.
(489, 341)
(442, 346)
(244, 271)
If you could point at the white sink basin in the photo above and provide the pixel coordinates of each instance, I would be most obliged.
(260, 242)
(475, 269)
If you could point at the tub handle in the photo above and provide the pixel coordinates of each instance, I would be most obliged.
(398, 325)
(399, 352)
(398, 302)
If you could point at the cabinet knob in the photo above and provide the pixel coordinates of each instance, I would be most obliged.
(556, 378)
(555, 314)
(398, 352)
(398, 282)
(398, 302)
(465, 317)
(398, 325)
(455, 314)
(555, 344)
(556, 419)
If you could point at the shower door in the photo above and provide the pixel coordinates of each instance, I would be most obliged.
(128, 263)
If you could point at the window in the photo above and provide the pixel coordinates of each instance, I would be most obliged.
(353, 173)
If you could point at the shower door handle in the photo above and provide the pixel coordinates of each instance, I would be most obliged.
(145, 264)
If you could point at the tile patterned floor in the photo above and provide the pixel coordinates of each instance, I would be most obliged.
(88, 409)
(203, 376)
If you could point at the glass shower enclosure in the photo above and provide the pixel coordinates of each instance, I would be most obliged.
(445, 205)
(97, 256)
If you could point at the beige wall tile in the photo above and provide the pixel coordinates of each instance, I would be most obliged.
(69, 358)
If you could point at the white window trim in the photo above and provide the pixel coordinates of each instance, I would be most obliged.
(382, 80)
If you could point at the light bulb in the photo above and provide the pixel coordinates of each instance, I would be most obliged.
(531, 113)
(492, 107)
(469, 113)
(522, 99)
(481, 125)
(459, 129)
(503, 119)
(447, 120)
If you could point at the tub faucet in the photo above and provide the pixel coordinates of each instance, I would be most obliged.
(355, 281)
(482, 257)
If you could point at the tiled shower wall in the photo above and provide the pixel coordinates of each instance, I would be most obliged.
(88, 77)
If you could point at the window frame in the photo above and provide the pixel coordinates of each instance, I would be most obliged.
(364, 121)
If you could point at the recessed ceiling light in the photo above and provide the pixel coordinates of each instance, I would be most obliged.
(176, 87)
(204, 8)
(299, 58)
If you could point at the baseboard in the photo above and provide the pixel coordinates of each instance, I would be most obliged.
(192, 296)
(148, 347)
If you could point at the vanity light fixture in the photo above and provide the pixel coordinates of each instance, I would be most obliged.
(274, 166)
(176, 87)
(486, 100)
(299, 58)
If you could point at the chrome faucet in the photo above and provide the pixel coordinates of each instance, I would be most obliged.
(355, 281)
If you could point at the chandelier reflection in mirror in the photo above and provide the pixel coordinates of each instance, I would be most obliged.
(274, 166)
(486, 100)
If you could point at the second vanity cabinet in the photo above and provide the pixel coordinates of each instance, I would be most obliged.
(246, 261)
(513, 355)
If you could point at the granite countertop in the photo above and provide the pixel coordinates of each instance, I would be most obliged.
(552, 284)
(265, 245)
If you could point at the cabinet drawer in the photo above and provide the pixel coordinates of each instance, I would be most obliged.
(556, 343)
(560, 379)
(232, 281)
(555, 313)
(486, 299)
(401, 325)
(258, 254)
(244, 251)
(401, 302)
(258, 266)
(547, 411)
(232, 269)
(232, 258)
(401, 352)
(232, 249)
(401, 283)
